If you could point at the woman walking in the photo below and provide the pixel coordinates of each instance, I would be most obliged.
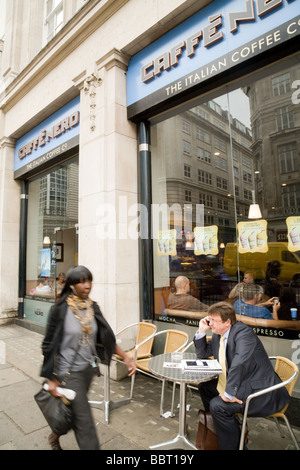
(76, 334)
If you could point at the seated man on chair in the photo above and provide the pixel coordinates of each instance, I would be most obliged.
(246, 369)
(251, 303)
(182, 300)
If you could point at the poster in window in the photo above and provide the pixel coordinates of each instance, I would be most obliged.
(293, 226)
(59, 252)
(45, 262)
(206, 240)
(166, 243)
(253, 236)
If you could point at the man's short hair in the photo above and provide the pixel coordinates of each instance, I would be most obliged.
(181, 281)
(248, 291)
(225, 310)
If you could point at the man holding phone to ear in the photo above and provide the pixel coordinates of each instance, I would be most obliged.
(247, 369)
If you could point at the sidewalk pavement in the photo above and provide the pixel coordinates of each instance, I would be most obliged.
(133, 427)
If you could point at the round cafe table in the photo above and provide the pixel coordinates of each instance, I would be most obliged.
(156, 366)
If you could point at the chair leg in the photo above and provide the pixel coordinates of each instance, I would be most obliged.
(162, 397)
(279, 427)
(173, 399)
(132, 385)
(291, 432)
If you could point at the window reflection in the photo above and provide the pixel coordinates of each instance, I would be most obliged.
(220, 158)
(51, 232)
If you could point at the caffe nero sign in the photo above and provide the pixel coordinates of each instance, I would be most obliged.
(217, 38)
(48, 141)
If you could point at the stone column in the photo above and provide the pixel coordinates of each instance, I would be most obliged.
(108, 239)
(9, 232)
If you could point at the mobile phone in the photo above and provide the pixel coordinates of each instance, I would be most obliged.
(276, 301)
(191, 363)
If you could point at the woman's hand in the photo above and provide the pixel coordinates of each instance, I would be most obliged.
(53, 384)
(131, 366)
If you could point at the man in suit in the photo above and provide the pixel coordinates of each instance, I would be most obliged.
(248, 369)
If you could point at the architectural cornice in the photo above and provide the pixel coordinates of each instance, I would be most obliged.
(79, 28)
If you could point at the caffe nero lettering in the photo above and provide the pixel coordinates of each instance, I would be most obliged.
(47, 134)
(210, 35)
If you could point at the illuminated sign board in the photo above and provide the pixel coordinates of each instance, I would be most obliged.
(53, 137)
(223, 35)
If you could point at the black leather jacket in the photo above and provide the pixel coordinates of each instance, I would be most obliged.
(105, 342)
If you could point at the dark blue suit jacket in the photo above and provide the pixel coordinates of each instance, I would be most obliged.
(248, 368)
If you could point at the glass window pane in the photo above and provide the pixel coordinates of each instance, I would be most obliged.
(240, 157)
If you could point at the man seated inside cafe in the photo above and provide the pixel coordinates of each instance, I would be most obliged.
(248, 279)
(182, 300)
(250, 303)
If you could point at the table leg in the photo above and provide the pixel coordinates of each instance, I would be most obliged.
(107, 404)
(180, 441)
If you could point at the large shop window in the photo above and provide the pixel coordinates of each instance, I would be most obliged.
(51, 236)
(226, 193)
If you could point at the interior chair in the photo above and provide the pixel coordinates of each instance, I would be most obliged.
(175, 340)
(288, 373)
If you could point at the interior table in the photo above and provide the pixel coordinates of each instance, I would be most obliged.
(107, 404)
(177, 374)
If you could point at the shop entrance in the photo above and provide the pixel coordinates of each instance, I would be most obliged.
(52, 246)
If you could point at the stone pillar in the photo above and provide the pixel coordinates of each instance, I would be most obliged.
(108, 241)
(9, 232)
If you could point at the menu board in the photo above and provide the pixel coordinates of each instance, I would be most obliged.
(293, 229)
(206, 240)
(166, 243)
(253, 236)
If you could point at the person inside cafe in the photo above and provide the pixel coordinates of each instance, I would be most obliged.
(60, 284)
(272, 283)
(182, 299)
(246, 369)
(286, 301)
(252, 304)
(248, 279)
(44, 287)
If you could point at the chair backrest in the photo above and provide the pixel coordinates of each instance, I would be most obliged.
(175, 339)
(285, 368)
(144, 330)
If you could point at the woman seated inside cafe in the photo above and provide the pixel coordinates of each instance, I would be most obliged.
(287, 300)
(250, 303)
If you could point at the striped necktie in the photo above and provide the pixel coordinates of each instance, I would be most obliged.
(222, 377)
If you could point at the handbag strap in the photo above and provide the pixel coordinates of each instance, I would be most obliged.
(68, 373)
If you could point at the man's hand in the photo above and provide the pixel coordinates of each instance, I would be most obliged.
(234, 400)
(204, 325)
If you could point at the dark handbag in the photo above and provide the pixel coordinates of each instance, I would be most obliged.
(57, 412)
(206, 436)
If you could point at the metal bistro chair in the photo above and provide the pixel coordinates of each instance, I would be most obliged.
(288, 373)
(144, 335)
(175, 340)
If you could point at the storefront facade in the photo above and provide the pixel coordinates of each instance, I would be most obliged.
(165, 121)
(219, 100)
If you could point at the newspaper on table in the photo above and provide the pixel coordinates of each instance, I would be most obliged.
(201, 365)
